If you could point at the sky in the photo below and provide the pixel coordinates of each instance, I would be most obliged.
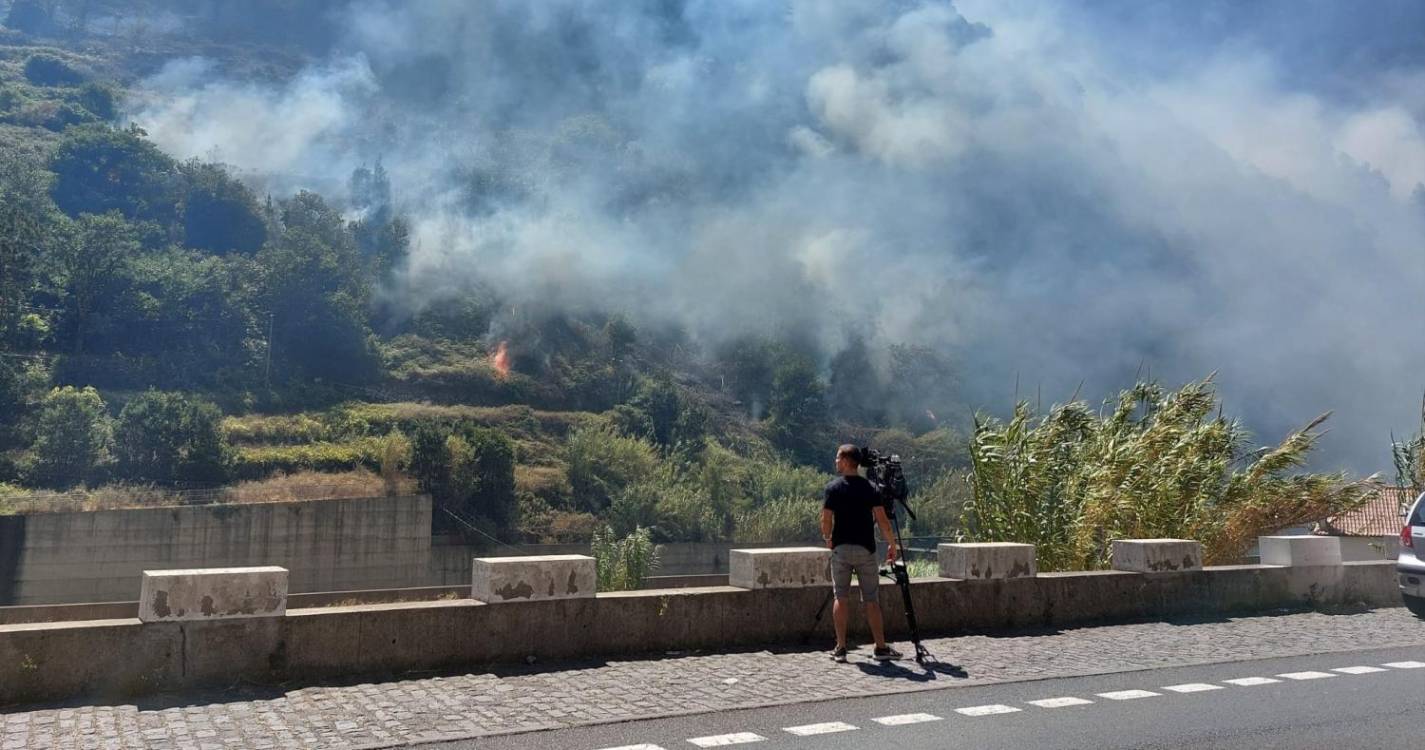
(1062, 195)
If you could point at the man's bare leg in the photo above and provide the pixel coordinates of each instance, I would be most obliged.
(873, 618)
(841, 616)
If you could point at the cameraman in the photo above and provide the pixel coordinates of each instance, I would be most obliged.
(848, 516)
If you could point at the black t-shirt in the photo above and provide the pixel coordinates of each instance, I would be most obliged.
(851, 501)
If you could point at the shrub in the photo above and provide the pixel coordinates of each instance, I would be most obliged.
(939, 504)
(265, 461)
(623, 563)
(468, 471)
(602, 463)
(44, 70)
(73, 435)
(171, 437)
(98, 99)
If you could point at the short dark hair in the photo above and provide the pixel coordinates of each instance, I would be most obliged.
(849, 451)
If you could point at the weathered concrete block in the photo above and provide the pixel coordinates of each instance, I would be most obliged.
(1299, 550)
(779, 567)
(213, 594)
(508, 579)
(1156, 555)
(987, 560)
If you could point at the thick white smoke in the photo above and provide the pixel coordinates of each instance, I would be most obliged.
(1053, 193)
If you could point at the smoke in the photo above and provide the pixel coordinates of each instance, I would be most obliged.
(1059, 194)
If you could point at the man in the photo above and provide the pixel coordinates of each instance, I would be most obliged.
(848, 516)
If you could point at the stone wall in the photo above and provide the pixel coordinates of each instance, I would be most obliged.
(328, 545)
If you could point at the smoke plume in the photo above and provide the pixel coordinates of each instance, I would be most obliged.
(1056, 194)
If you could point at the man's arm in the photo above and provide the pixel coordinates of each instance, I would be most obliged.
(884, 522)
(826, 522)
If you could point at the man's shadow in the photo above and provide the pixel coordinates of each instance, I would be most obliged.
(930, 671)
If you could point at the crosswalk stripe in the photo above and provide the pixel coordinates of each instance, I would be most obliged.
(1306, 675)
(1358, 670)
(635, 747)
(1193, 687)
(1251, 681)
(829, 727)
(1405, 664)
(903, 719)
(990, 710)
(1128, 695)
(1059, 702)
(721, 740)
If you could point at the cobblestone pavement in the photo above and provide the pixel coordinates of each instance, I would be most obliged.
(426, 708)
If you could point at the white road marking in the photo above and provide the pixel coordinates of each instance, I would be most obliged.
(1251, 681)
(990, 710)
(829, 727)
(1059, 702)
(1358, 670)
(635, 747)
(1193, 687)
(1405, 664)
(1128, 695)
(903, 719)
(1306, 675)
(721, 740)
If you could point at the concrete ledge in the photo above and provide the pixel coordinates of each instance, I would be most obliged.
(124, 658)
(1304, 549)
(987, 561)
(212, 594)
(506, 579)
(779, 567)
(1156, 555)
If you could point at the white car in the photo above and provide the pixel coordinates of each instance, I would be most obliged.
(1411, 563)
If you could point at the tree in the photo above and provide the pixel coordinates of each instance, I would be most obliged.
(20, 237)
(99, 169)
(317, 294)
(1409, 458)
(98, 99)
(73, 435)
(469, 472)
(220, 214)
(855, 392)
(88, 267)
(171, 437)
(797, 412)
(31, 16)
(1158, 464)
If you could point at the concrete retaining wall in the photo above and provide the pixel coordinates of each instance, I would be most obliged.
(328, 545)
(116, 658)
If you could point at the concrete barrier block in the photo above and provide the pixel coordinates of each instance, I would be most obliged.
(213, 594)
(1299, 550)
(1156, 555)
(987, 560)
(508, 579)
(779, 567)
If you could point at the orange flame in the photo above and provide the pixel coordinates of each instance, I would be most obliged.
(500, 360)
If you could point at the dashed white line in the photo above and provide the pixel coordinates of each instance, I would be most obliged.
(721, 740)
(990, 710)
(1405, 664)
(1193, 687)
(830, 727)
(903, 719)
(1358, 670)
(1059, 702)
(1128, 695)
(635, 747)
(1252, 681)
(1306, 675)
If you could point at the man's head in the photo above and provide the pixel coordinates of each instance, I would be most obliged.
(848, 460)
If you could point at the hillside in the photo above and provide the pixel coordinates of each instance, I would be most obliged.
(170, 324)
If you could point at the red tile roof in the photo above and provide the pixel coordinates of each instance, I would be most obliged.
(1382, 515)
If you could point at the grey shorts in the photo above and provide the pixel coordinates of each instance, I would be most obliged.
(849, 558)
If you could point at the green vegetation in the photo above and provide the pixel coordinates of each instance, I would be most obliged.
(623, 563)
(1409, 458)
(1154, 464)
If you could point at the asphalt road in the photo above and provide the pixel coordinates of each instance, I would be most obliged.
(1289, 706)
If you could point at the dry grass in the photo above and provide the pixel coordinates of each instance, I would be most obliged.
(307, 485)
